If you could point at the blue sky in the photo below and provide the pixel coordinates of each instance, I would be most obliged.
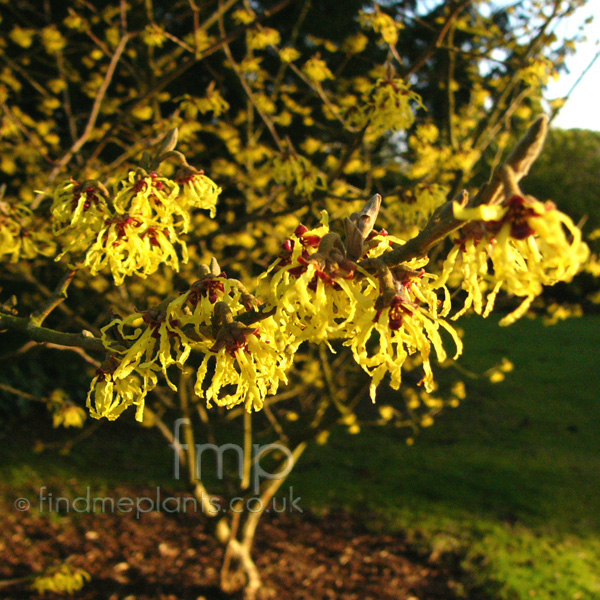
(583, 108)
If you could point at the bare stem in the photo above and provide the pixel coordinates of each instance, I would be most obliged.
(267, 495)
(42, 335)
(58, 296)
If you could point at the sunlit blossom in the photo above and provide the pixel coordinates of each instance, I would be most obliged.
(110, 395)
(388, 331)
(387, 105)
(529, 244)
(245, 371)
(312, 296)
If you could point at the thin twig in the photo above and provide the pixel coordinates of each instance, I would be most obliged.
(89, 128)
(80, 351)
(267, 495)
(22, 394)
(577, 82)
(58, 296)
(426, 54)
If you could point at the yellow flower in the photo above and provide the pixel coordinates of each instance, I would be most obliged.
(381, 23)
(78, 207)
(199, 39)
(317, 70)
(472, 256)
(109, 396)
(64, 412)
(253, 363)
(21, 235)
(135, 231)
(313, 295)
(311, 145)
(10, 242)
(355, 44)
(537, 72)
(143, 345)
(151, 197)
(259, 39)
(60, 580)
(407, 323)
(459, 390)
(22, 36)
(196, 190)
(250, 64)
(53, 39)
(132, 245)
(212, 101)
(243, 17)
(386, 105)
(196, 306)
(294, 169)
(141, 112)
(69, 416)
(162, 342)
(529, 243)
(154, 35)
(289, 55)
(74, 21)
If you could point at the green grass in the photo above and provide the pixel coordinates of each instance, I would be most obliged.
(112, 457)
(510, 479)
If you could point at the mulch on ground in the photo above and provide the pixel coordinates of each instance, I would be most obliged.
(163, 556)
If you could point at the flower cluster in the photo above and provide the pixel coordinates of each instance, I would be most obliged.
(316, 70)
(249, 365)
(292, 169)
(383, 24)
(137, 229)
(385, 106)
(519, 245)
(60, 580)
(319, 294)
(310, 287)
(403, 321)
(249, 362)
(319, 291)
(20, 235)
(111, 392)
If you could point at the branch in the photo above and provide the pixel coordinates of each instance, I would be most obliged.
(58, 296)
(29, 278)
(77, 350)
(266, 496)
(441, 223)
(43, 335)
(438, 41)
(266, 120)
(500, 102)
(26, 395)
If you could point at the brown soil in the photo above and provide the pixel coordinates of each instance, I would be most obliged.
(165, 556)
